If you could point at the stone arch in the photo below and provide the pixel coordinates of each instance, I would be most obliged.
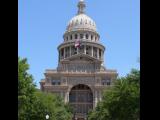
(81, 98)
(69, 89)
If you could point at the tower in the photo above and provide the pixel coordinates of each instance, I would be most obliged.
(80, 76)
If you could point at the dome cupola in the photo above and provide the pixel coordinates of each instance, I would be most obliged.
(81, 21)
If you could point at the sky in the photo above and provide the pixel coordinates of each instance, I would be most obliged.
(42, 23)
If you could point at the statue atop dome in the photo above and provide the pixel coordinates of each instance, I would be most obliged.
(81, 6)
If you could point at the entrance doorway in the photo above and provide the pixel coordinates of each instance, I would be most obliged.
(81, 99)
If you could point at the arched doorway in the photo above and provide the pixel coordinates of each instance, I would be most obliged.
(81, 99)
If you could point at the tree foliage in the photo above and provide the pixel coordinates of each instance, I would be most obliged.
(122, 101)
(26, 89)
(53, 105)
(34, 104)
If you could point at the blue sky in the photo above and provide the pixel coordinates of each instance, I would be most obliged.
(42, 23)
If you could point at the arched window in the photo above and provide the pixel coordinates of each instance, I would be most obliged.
(90, 22)
(86, 22)
(76, 36)
(81, 36)
(86, 36)
(71, 37)
(100, 53)
(67, 38)
(87, 50)
(67, 51)
(81, 21)
(91, 37)
(76, 22)
(62, 53)
(95, 38)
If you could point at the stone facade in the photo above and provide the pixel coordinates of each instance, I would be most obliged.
(81, 75)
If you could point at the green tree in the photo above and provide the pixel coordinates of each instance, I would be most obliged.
(121, 102)
(34, 104)
(26, 89)
(53, 105)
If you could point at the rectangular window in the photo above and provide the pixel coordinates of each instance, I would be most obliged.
(56, 82)
(108, 83)
(53, 82)
(75, 51)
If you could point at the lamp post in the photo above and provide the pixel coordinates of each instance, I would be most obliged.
(47, 117)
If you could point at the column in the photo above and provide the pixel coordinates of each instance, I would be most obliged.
(97, 53)
(84, 49)
(64, 53)
(100, 95)
(59, 55)
(89, 36)
(101, 54)
(78, 36)
(102, 57)
(66, 97)
(84, 36)
(95, 98)
(70, 51)
(65, 100)
(97, 95)
(92, 51)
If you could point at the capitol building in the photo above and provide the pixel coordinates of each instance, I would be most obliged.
(80, 76)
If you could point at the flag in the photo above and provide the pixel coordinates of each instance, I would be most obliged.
(77, 44)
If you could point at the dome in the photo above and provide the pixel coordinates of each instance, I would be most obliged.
(81, 21)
